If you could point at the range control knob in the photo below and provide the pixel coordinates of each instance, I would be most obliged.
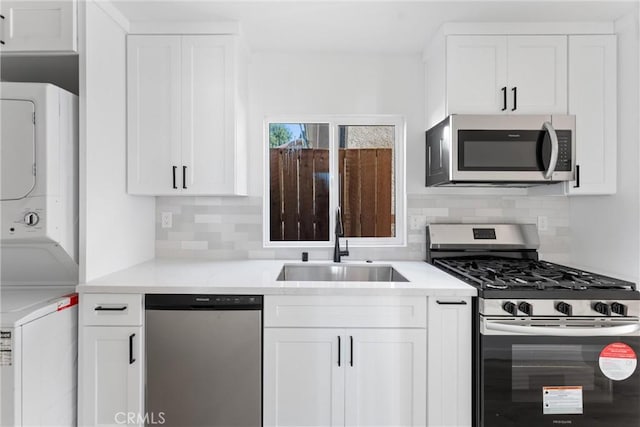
(31, 219)
(526, 308)
(602, 308)
(510, 308)
(618, 308)
(564, 308)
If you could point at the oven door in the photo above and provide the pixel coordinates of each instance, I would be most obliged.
(554, 372)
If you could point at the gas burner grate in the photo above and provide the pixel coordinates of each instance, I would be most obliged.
(521, 274)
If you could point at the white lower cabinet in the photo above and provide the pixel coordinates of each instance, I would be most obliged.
(303, 384)
(112, 380)
(353, 376)
(449, 362)
(385, 377)
(111, 361)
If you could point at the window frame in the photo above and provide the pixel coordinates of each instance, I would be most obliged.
(334, 122)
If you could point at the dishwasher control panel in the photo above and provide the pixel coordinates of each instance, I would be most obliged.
(202, 302)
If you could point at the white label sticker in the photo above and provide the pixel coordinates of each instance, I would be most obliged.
(5, 348)
(562, 400)
(618, 361)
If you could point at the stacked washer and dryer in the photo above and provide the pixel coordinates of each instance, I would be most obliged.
(39, 255)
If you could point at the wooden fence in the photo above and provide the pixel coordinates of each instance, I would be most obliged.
(299, 192)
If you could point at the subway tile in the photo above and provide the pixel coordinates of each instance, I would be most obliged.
(195, 245)
(207, 218)
(436, 212)
(488, 212)
(180, 235)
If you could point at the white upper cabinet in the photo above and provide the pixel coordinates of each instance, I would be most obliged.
(506, 74)
(592, 98)
(537, 74)
(476, 74)
(185, 115)
(38, 26)
(153, 98)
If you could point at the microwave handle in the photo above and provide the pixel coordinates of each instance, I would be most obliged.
(554, 150)
(611, 331)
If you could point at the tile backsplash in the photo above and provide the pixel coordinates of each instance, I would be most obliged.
(231, 227)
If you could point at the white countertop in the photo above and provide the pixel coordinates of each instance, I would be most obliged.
(259, 277)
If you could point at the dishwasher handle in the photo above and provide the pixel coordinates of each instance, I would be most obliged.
(202, 302)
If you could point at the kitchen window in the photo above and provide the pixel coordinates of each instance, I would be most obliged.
(315, 164)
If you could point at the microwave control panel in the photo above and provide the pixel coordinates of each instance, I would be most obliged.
(564, 151)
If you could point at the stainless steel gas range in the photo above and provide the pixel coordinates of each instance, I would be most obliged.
(553, 345)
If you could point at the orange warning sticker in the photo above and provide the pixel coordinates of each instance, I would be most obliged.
(618, 361)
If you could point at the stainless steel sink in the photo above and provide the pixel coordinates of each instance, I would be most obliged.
(340, 273)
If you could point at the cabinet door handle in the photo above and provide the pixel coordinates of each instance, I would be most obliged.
(175, 187)
(577, 184)
(351, 358)
(184, 177)
(102, 308)
(339, 350)
(451, 302)
(504, 98)
(2, 30)
(515, 98)
(131, 359)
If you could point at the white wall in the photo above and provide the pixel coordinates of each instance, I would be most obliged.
(115, 228)
(605, 229)
(336, 84)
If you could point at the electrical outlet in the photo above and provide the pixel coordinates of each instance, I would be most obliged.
(417, 222)
(543, 223)
(166, 219)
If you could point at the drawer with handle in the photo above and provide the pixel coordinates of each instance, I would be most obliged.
(111, 309)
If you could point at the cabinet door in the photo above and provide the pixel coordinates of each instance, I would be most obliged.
(537, 69)
(38, 26)
(111, 376)
(476, 74)
(592, 98)
(208, 140)
(449, 362)
(386, 377)
(303, 377)
(153, 111)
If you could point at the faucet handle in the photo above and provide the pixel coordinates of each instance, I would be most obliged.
(339, 225)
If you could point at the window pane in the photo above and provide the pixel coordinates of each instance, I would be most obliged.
(367, 180)
(299, 181)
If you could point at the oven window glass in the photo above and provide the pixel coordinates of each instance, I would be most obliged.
(485, 150)
(534, 367)
(515, 371)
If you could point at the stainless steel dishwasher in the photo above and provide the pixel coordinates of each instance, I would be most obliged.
(204, 360)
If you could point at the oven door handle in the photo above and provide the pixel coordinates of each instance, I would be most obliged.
(606, 331)
(554, 150)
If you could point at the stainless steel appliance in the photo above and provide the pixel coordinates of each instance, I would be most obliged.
(204, 360)
(553, 345)
(505, 150)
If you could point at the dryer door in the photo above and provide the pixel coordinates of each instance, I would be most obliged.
(17, 149)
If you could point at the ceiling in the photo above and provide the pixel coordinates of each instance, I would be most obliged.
(363, 26)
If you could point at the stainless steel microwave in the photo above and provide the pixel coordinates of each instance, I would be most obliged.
(501, 150)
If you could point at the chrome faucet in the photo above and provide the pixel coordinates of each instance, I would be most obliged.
(337, 253)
